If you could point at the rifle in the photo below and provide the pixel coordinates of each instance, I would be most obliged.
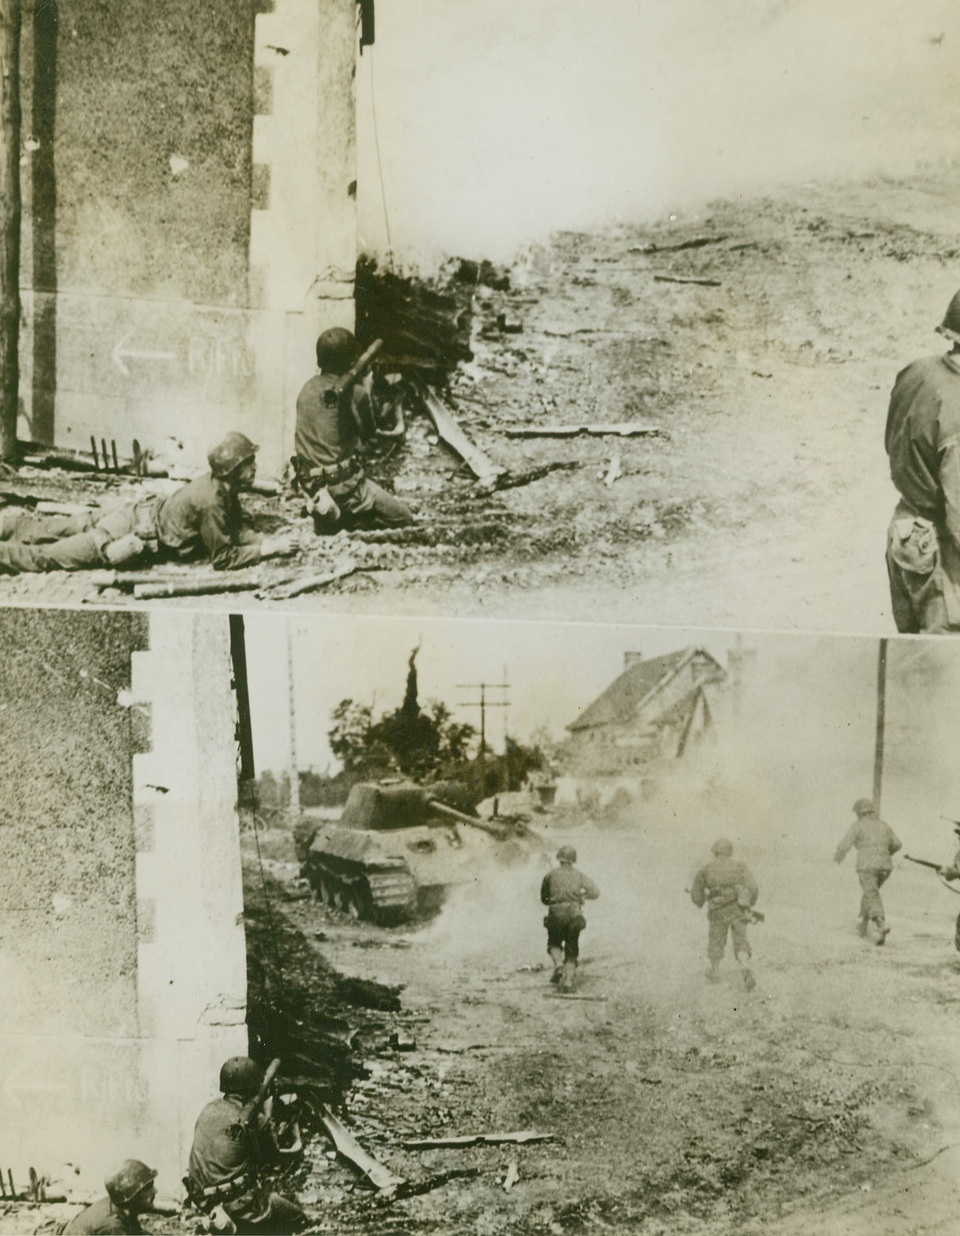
(334, 393)
(923, 862)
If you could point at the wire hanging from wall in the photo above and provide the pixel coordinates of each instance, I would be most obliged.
(376, 144)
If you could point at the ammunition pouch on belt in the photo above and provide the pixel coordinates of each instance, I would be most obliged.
(216, 1195)
(346, 474)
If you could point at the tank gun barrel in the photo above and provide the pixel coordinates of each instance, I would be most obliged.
(452, 816)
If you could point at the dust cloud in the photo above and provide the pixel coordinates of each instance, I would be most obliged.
(497, 123)
(788, 757)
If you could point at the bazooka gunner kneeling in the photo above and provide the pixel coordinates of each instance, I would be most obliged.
(334, 417)
(234, 1141)
(564, 891)
(202, 519)
(130, 1192)
(730, 892)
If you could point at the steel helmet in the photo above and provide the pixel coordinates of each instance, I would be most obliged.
(950, 326)
(567, 854)
(230, 452)
(864, 806)
(241, 1075)
(337, 349)
(132, 1178)
(722, 848)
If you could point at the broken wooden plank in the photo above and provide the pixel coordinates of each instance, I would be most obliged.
(621, 429)
(347, 1145)
(697, 242)
(513, 480)
(414, 1188)
(572, 995)
(312, 583)
(193, 588)
(706, 283)
(480, 464)
(512, 1176)
(479, 1139)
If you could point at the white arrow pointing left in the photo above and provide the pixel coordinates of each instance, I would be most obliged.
(121, 353)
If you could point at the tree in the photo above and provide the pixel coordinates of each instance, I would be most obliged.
(10, 212)
(409, 740)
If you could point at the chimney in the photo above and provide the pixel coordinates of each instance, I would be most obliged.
(630, 659)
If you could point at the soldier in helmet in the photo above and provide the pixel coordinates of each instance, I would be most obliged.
(876, 843)
(130, 1192)
(923, 443)
(231, 1147)
(563, 891)
(730, 892)
(202, 519)
(328, 445)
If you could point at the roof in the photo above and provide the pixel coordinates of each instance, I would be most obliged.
(618, 705)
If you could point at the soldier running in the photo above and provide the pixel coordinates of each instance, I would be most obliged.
(564, 891)
(203, 519)
(730, 892)
(876, 843)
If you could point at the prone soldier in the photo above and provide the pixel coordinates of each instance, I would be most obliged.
(233, 1142)
(727, 887)
(130, 1193)
(564, 890)
(201, 519)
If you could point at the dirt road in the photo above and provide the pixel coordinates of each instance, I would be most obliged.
(828, 1099)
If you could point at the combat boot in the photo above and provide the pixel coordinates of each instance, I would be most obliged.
(882, 932)
(748, 980)
(568, 977)
(556, 956)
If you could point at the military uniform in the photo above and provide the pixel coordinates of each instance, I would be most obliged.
(727, 887)
(564, 891)
(923, 544)
(225, 1161)
(202, 519)
(875, 844)
(103, 1218)
(327, 445)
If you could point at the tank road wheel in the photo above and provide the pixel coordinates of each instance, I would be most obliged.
(357, 901)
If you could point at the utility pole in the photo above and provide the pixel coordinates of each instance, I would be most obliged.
(10, 212)
(294, 770)
(483, 704)
(881, 722)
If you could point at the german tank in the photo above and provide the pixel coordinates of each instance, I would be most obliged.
(397, 850)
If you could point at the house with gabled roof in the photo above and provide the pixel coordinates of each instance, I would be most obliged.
(657, 708)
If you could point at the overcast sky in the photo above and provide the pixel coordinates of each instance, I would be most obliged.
(498, 122)
(554, 670)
